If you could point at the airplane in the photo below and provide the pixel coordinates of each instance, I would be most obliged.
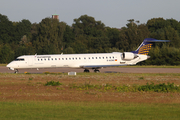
(87, 61)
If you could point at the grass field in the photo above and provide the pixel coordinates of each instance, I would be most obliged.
(87, 110)
(25, 96)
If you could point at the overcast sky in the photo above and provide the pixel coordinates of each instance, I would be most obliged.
(113, 13)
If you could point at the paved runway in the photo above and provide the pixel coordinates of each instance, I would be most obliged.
(4, 69)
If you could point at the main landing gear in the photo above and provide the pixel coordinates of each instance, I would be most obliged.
(16, 71)
(95, 70)
(86, 70)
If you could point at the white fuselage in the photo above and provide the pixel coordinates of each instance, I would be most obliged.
(96, 60)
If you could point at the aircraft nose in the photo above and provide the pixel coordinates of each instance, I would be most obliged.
(8, 65)
(11, 65)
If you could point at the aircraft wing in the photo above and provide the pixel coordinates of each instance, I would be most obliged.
(100, 66)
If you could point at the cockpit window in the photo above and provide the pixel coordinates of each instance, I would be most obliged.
(19, 59)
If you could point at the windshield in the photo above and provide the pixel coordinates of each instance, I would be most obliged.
(19, 59)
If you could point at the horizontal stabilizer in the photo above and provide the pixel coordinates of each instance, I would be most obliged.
(154, 40)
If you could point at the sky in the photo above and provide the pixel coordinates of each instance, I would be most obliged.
(113, 13)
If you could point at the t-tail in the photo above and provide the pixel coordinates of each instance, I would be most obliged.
(146, 45)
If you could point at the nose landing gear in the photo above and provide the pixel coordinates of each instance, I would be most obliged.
(16, 71)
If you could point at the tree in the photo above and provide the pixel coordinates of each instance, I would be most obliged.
(50, 36)
(69, 37)
(68, 50)
(131, 36)
(91, 33)
(156, 23)
(172, 34)
(23, 28)
(6, 54)
(6, 30)
(114, 36)
(163, 56)
(174, 24)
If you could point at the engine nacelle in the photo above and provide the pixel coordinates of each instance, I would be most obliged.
(129, 56)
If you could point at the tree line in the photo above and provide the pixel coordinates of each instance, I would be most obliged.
(86, 35)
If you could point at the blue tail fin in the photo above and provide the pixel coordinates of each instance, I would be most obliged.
(145, 46)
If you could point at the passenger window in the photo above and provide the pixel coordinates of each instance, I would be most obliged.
(113, 57)
(52, 59)
(59, 59)
(69, 58)
(89, 58)
(109, 57)
(72, 58)
(76, 58)
(84, 58)
(55, 58)
(96, 57)
(38, 59)
(92, 57)
(66, 58)
(48, 59)
(45, 59)
(62, 58)
(99, 57)
(41, 59)
(102, 57)
(79, 58)
(106, 57)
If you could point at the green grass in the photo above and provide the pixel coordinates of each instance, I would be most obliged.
(82, 110)
(47, 110)
(161, 87)
(53, 83)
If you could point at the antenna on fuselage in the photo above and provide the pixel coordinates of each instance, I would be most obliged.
(62, 50)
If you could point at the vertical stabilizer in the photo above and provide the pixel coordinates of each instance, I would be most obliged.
(146, 45)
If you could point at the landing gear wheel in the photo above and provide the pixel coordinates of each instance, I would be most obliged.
(86, 70)
(96, 71)
(16, 71)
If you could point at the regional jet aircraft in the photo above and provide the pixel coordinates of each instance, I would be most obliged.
(86, 61)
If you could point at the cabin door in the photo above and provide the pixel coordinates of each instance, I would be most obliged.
(30, 61)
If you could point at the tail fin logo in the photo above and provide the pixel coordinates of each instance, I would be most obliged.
(146, 45)
(145, 49)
